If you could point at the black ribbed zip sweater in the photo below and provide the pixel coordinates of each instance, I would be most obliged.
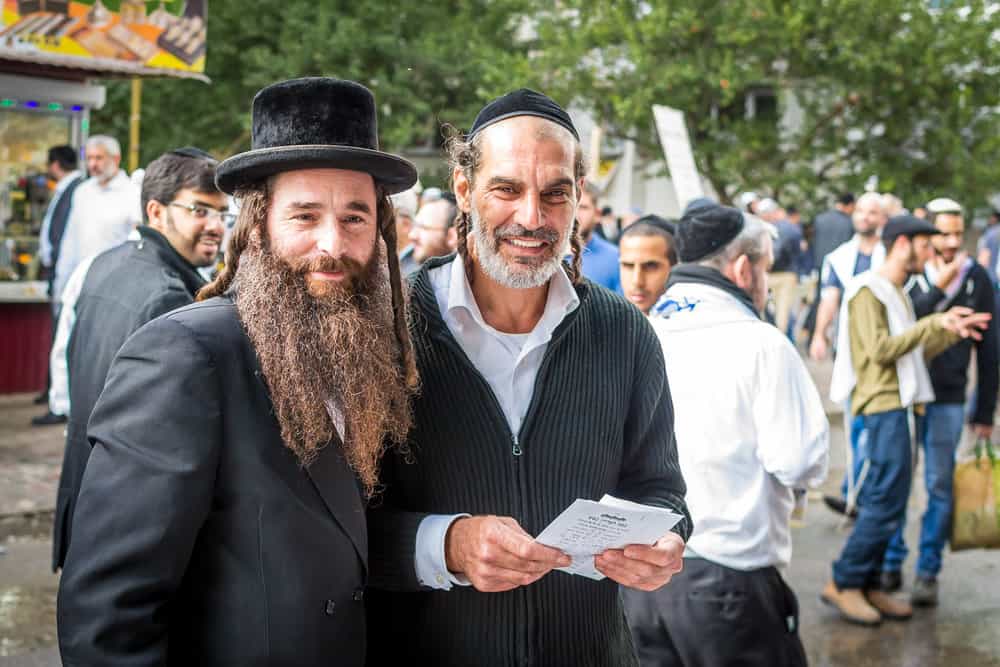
(600, 421)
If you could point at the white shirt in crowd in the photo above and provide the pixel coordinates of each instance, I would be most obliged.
(749, 422)
(101, 218)
(508, 362)
(44, 245)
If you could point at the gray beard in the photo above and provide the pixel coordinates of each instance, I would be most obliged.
(497, 268)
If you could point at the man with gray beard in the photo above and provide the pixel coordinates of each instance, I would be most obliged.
(221, 515)
(537, 388)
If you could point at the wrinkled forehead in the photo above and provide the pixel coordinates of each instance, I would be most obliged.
(527, 143)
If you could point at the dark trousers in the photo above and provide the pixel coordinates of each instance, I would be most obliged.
(885, 441)
(710, 615)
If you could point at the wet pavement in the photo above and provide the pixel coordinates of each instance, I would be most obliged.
(964, 631)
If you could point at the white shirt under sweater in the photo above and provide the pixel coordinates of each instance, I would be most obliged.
(508, 362)
(750, 426)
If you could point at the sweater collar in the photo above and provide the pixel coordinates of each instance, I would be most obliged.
(193, 281)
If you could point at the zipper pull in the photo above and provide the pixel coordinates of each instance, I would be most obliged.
(516, 450)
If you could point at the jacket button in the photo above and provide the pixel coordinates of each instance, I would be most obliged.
(330, 607)
(359, 595)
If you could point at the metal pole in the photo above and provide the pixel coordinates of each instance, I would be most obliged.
(133, 125)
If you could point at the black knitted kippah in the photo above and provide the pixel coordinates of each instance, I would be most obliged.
(706, 230)
(523, 102)
(192, 152)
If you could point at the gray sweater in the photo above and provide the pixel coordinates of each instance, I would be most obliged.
(600, 421)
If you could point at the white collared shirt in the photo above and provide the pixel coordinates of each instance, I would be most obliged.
(508, 362)
(101, 218)
(44, 245)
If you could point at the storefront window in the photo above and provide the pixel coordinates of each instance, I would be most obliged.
(25, 138)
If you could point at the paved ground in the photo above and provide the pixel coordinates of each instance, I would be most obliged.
(963, 632)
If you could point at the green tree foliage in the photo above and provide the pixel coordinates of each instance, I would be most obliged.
(888, 88)
(427, 63)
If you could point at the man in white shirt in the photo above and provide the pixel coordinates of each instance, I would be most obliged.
(750, 428)
(537, 388)
(106, 209)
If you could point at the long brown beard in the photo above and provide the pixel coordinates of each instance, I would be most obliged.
(335, 343)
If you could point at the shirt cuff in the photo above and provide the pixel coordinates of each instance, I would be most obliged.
(431, 565)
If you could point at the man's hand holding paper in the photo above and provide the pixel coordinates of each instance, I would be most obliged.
(643, 567)
(495, 554)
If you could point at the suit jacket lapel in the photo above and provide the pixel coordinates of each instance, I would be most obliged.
(333, 478)
(337, 485)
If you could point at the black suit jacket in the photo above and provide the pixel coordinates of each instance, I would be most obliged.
(198, 538)
(125, 287)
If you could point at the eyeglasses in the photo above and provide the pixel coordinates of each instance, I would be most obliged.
(200, 212)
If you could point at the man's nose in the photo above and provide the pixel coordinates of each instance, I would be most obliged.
(215, 224)
(414, 234)
(529, 211)
(328, 238)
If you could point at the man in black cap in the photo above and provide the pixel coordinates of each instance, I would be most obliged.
(221, 515)
(537, 388)
(744, 443)
(185, 217)
(880, 367)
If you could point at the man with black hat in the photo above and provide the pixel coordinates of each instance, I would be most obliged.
(537, 388)
(880, 367)
(221, 515)
(130, 285)
(741, 470)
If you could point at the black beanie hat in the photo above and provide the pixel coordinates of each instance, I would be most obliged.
(523, 102)
(706, 230)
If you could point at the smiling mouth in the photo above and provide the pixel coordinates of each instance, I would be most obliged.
(326, 275)
(527, 244)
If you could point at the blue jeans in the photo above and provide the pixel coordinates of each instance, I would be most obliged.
(881, 500)
(939, 432)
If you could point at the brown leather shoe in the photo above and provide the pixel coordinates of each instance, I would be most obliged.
(889, 606)
(852, 605)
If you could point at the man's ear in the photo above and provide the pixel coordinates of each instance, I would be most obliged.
(451, 237)
(463, 190)
(742, 270)
(156, 214)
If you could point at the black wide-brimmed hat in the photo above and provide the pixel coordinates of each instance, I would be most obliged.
(314, 123)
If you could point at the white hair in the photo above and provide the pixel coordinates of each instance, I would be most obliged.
(892, 205)
(749, 242)
(109, 144)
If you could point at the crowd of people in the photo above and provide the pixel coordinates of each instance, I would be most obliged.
(339, 442)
